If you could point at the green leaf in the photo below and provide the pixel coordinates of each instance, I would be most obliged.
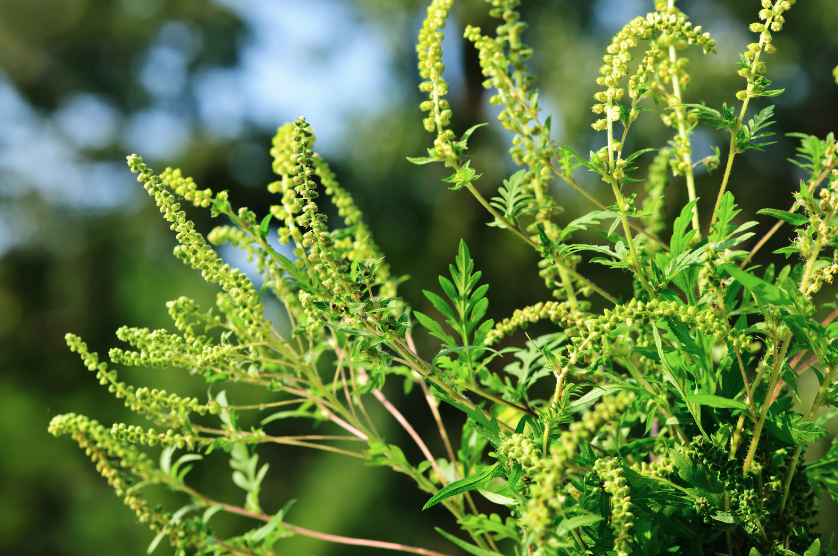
(462, 177)
(461, 348)
(211, 511)
(625, 114)
(814, 549)
(288, 414)
(351, 331)
(599, 391)
(723, 120)
(790, 428)
(420, 160)
(774, 93)
(467, 134)
(381, 454)
(634, 155)
(183, 459)
(470, 548)
(182, 512)
(680, 237)
(727, 517)
(747, 135)
(584, 161)
(583, 222)
(267, 529)
(166, 458)
(264, 287)
(765, 292)
(461, 486)
(435, 329)
(265, 226)
(677, 381)
(790, 217)
(627, 179)
(440, 305)
(220, 205)
(497, 498)
(513, 199)
(156, 541)
(569, 524)
(724, 219)
(711, 400)
(290, 269)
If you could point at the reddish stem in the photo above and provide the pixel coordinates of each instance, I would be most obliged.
(314, 534)
(411, 431)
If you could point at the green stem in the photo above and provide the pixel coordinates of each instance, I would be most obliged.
(535, 245)
(753, 406)
(775, 374)
(629, 239)
(615, 185)
(727, 168)
(735, 440)
(733, 150)
(568, 287)
(208, 502)
(554, 402)
(682, 129)
(577, 537)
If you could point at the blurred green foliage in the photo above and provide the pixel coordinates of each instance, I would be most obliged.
(89, 271)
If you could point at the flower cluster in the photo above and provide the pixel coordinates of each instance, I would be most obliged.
(662, 467)
(121, 464)
(771, 19)
(559, 313)
(675, 30)
(359, 246)
(521, 449)
(597, 420)
(717, 460)
(610, 472)
(631, 383)
(546, 501)
(194, 251)
(136, 435)
(656, 183)
(429, 49)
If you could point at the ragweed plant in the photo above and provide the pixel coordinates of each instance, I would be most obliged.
(670, 427)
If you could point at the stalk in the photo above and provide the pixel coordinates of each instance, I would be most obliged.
(622, 204)
(775, 373)
(753, 407)
(208, 502)
(733, 150)
(682, 131)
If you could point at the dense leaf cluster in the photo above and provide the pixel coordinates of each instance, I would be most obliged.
(672, 423)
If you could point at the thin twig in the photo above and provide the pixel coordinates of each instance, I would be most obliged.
(308, 532)
(410, 430)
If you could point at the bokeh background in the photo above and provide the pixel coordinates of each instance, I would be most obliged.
(203, 84)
